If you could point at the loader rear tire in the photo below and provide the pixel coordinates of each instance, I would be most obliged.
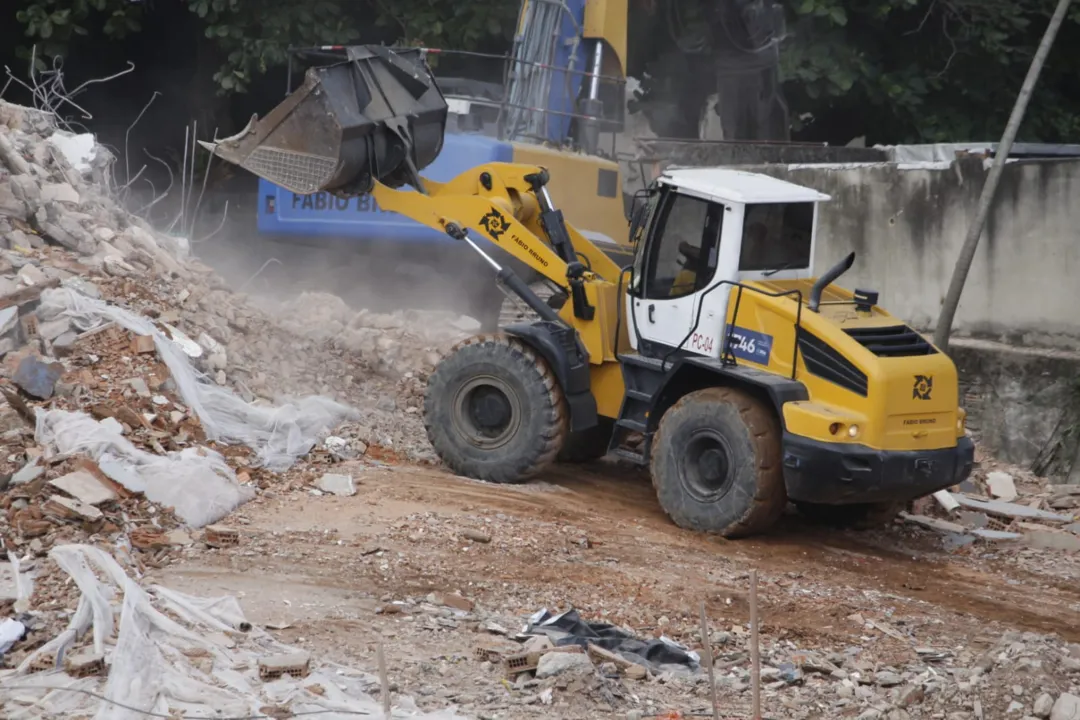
(716, 463)
(494, 410)
(588, 445)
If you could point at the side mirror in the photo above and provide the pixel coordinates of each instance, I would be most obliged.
(637, 223)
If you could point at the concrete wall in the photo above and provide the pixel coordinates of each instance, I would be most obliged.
(1023, 404)
(907, 223)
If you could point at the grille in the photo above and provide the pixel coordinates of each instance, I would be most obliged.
(300, 173)
(825, 362)
(896, 341)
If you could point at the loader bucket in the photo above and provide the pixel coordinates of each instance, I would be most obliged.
(378, 115)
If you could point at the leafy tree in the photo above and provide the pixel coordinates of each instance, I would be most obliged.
(254, 35)
(52, 24)
(924, 70)
(255, 39)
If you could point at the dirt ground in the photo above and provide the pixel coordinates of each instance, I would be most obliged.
(324, 568)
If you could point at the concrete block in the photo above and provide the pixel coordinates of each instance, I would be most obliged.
(296, 665)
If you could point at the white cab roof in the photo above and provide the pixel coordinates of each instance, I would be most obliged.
(739, 186)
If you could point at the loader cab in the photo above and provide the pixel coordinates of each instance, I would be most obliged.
(697, 232)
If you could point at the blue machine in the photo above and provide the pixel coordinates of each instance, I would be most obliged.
(325, 219)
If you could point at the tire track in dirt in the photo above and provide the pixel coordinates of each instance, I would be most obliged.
(623, 510)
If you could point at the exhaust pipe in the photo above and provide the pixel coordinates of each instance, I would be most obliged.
(828, 278)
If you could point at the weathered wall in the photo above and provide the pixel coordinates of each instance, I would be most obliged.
(907, 224)
(1023, 404)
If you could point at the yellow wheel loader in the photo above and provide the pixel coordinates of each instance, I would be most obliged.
(715, 359)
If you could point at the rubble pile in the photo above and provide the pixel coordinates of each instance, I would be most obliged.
(167, 651)
(68, 253)
(1007, 510)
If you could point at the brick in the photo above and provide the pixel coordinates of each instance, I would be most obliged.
(219, 536)
(296, 665)
(142, 344)
(87, 664)
(43, 662)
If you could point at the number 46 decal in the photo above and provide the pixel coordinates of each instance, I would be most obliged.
(749, 345)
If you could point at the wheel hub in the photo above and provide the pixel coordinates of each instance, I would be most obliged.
(486, 412)
(705, 468)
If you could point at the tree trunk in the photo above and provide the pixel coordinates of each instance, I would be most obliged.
(971, 242)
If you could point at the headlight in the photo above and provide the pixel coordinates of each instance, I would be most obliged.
(853, 432)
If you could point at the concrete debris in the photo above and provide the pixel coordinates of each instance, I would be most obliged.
(1010, 510)
(895, 658)
(37, 378)
(84, 487)
(66, 244)
(1001, 485)
(553, 664)
(335, 484)
(1066, 707)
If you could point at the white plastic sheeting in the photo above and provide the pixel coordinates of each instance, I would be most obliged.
(196, 482)
(176, 653)
(278, 435)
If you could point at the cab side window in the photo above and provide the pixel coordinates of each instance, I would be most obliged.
(684, 246)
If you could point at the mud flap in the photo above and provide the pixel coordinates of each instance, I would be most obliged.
(559, 346)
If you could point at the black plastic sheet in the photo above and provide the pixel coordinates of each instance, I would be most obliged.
(572, 630)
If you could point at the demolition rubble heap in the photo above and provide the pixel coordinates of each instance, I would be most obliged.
(141, 395)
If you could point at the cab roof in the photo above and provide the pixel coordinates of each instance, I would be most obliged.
(739, 186)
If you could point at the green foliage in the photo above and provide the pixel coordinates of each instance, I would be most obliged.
(254, 41)
(449, 24)
(253, 36)
(52, 24)
(926, 70)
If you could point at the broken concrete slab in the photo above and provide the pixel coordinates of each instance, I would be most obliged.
(996, 535)
(28, 473)
(32, 275)
(1045, 538)
(560, 663)
(71, 509)
(60, 192)
(54, 328)
(140, 387)
(64, 345)
(84, 487)
(972, 519)
(9, 318)
(36, 378)
(1066, 707)
(11, 206)
(1001, 485)
(1009, 510)
(934, 523)
(340, 485)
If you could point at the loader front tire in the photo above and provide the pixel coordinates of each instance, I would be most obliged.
(716, 463)
(494, 410)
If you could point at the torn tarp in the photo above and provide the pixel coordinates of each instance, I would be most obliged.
(569, 629)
